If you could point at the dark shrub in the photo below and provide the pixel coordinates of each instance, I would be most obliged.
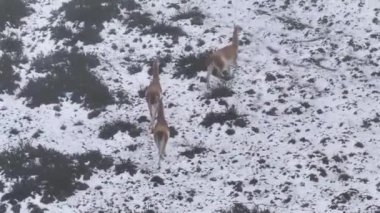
(135, 68)
(194, 14)
(44, 91)
(140, 20)
(230, 132)
(3, 207)
(370, 121)
(93, 114)
(48, 172)
(61, 32)
(174, 6)
(173, 131)
(12, 45)
(35, 208)
(87, 34)
(221, 117)
(21, 190)
(292, 24)
(241, 208)
(220, 92)
(1, 186)
(62, 60)
(11, 11)
(141, 92)
(130, 4)
(194, 151)
(188, 14)
(157, 180)
(88, 161)
(164, 29)
(122, 97)
(126, 166)
(241, 122)
(92, 13)
(108, 130)
(8, 76)
(68, 72)
(13, 48)
(188, 66)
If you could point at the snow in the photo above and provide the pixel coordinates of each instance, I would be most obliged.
(208, 174)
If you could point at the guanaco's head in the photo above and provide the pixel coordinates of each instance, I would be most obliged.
(155, 67)
(237, 28)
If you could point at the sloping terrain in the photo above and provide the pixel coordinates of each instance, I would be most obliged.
(296, 130)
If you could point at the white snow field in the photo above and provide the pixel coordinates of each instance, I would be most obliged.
(307, 89)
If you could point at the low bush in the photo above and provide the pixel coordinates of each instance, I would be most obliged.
(241, 208)
(195, 15)
(67, 73)
(221, 91)
(165, 29)
(92, 13)
(189, 66)
(8, 76)
(11, 11)
(139, 20)
(126, 166)
(230, 114)
(11, 45)
(193, 151)
(51, 174)
(108, 130)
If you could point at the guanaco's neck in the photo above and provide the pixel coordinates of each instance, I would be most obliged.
(235, 39)
(156, 78)
(156, 74)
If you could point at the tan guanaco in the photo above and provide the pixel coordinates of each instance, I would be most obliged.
(161, 132)
(153, 93)
(222, 59)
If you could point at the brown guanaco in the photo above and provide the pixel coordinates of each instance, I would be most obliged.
(222, 59)
(161, 132)
(153, 93)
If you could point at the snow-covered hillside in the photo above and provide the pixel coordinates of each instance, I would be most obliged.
(296, 130)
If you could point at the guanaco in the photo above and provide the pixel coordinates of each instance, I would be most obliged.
(161, 133)
(153, 93)
(222, 59)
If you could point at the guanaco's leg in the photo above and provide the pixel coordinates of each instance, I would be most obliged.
(209, 71)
